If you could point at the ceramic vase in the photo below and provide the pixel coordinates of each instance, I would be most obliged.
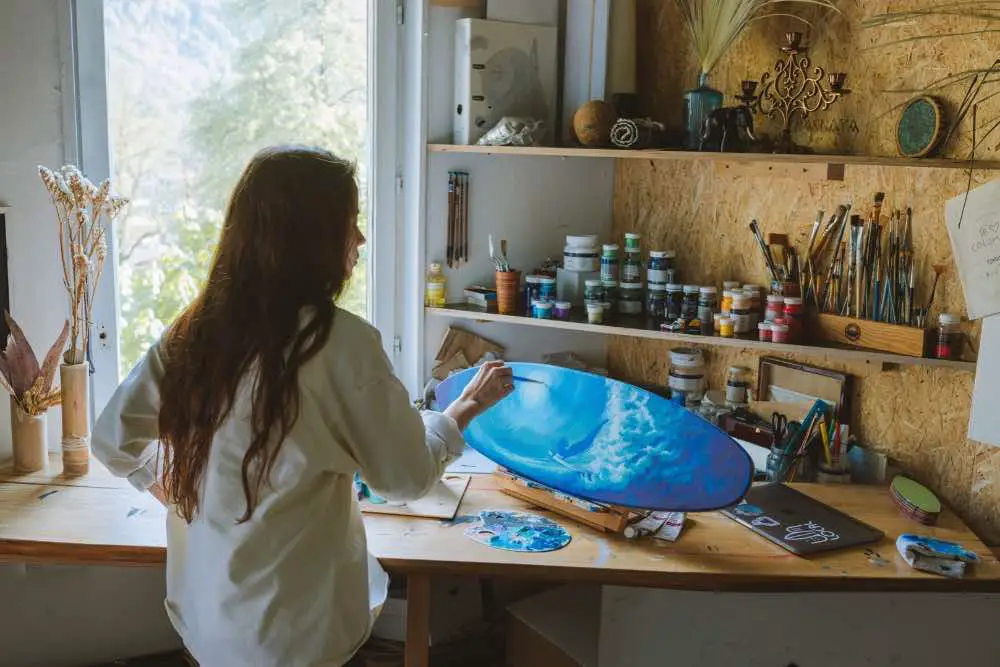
(75, 389)
(28, 439)
(698, 104)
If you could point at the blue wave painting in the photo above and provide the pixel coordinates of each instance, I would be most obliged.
(606, 441)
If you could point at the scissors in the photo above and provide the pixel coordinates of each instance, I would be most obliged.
(779, 424)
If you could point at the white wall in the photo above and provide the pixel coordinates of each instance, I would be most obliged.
(53, 616)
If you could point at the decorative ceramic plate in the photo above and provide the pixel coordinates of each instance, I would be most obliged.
(606, 441)
(920, 127)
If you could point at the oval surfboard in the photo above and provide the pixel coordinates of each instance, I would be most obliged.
(606, 441)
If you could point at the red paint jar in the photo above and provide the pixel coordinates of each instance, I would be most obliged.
(764, 332)
(794, 314)
(780, 333)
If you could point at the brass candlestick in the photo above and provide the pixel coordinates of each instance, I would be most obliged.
(796, 86)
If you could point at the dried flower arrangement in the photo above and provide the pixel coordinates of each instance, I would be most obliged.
(714, 25)
(21, 375)
(82, 211)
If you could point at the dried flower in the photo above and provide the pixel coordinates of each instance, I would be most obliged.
(21, 375)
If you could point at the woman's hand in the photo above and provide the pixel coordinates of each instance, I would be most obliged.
(156, 490)
(493, 382)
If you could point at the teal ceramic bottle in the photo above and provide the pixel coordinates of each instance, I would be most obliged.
(698, 104)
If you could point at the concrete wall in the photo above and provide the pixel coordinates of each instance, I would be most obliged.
(53, 616)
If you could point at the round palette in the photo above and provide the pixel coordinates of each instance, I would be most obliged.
(915, 500)
(517, 531)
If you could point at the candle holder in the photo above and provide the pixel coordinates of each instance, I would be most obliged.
(796, 86)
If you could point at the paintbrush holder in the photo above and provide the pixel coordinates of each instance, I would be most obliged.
(868, 335)
(508, 291)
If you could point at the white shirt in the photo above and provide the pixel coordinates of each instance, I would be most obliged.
(294, 586)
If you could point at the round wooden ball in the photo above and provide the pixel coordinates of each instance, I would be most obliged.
(592, 123)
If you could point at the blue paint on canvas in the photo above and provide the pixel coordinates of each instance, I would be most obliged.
(606, 441)
(518, 531)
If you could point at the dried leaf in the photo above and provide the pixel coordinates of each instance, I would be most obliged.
(21, 364)
(51, 363)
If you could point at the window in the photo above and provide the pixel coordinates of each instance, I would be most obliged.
(194, 89)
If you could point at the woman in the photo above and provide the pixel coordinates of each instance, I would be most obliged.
(266, 399)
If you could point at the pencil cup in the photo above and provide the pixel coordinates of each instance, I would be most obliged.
(508, 289)
(781, 464)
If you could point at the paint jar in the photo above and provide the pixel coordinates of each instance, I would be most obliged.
(593, 290)
(656, 302)
(630, 298)
(581, 259)
(726, 327)
(726, 306)
(949, 336)
(706, 310)
(609, 262)
(541, 310)
(765, 332)
(561, 309)
(717, 318)
(779, 333)
(737, 385)
(610, 291)
(632, 268)
(660, 266)
(689, 307)
(595, 312)
(546, 289)
(687, 373)
(609, 311)
(532, 291)
(632, 241)
(740, 315)
(752, 292)
(730, 284)
(582, 241)
(795, 316)
(775, 307)
(675, 301)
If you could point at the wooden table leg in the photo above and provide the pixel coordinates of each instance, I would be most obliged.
(418, 620)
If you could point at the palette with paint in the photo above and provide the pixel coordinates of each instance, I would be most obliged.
(915, 500)
(606, 441)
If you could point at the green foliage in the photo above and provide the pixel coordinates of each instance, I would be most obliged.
(196, 87)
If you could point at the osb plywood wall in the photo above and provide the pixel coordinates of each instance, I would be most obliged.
(917, 415)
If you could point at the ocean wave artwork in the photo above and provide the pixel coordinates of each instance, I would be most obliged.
(606, 441)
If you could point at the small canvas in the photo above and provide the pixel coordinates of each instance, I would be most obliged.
(441, 503)
(976, 247)
(606, 441)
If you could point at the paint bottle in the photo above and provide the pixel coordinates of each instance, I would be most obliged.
(632, 268)
(756, 306)
(632, 241)
(795, 318)
(675, 301)
(542, 310)
(726, 328)
(737, 385)
(687, 373)
(779, 333)
(689, 307)
(435, 292)
(775, 307)
(660, 266)
(730, 284)
(561, 310)
(531, 291)
(706, 310)
(610, 292)
(595, 312)
(717, 317)
(609, 262)
(630, 299)
(593, 290)
(546, 289)
(656, 302)
(741, 315)
(765, 332)
(949, 336)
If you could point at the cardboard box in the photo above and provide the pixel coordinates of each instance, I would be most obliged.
(558, 628)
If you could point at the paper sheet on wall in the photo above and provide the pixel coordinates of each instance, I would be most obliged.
(976, 247)
(984, 418)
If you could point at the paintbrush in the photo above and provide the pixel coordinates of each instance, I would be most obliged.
(451, 220)
(842, 214)
(939, 269)
(518, 378)
(768, 259)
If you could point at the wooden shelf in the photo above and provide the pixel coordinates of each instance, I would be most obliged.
(635, 329)
(829, 161)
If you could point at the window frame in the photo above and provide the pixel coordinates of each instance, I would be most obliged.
(87, 144)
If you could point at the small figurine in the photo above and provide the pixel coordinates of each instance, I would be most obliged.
(729, 129)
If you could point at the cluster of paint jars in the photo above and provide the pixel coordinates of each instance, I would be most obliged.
(540, 297)
(783, 320)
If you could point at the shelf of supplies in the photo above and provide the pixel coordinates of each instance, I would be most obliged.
(830, 161)
(634, 329)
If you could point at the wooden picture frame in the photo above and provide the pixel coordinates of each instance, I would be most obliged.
(917, 135)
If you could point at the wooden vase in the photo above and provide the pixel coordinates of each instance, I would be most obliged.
(75, 388)
(29, 440)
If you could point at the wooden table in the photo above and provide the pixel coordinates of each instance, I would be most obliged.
(101, 520)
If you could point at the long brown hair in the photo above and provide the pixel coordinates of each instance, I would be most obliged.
(283, 252)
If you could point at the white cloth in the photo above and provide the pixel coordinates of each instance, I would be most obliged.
(294, 586)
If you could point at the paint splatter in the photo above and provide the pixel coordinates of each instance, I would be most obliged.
(746, 509)
(518, 531)
(45, 495)
(135, 511)
(875, 558)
